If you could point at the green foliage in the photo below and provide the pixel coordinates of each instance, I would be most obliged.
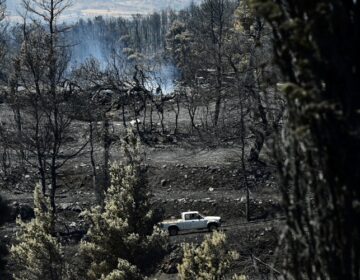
(125, 229)
(244, 17)
(239, 277)
(124, 271)
(37, 254)
(211, 260)
(4, 217)
(4, 210)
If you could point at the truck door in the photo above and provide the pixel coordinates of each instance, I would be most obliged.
(189, 222)
(199, 222)
(195, 221)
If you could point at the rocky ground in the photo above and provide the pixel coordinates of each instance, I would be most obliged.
(184, 174)
(183, 179)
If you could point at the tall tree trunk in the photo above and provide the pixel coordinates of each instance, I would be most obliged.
(243, 162)
(151, 117)
(97, 189)
(53, 174)
(177, 113)
(258, 144)
(18, 121)
(217, 110)
(123, 114)
(106, 147)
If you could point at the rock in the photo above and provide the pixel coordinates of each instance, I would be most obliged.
(185, 176)
(163, 182)
(211, 189)
(73, 225)
(242, 199)
(164, 166)
(64, 206)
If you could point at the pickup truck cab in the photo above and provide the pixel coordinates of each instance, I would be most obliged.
(191, 220)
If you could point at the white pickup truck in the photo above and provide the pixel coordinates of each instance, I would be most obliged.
(191, 221)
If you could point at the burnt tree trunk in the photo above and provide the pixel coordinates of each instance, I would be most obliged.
(97, 190)
(106, 156)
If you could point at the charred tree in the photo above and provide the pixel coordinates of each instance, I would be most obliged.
(316, 46)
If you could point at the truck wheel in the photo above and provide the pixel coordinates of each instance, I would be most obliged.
(213, 227)
(173, 231)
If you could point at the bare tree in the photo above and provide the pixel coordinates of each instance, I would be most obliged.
(98, 95)
(176, 107)
(214, 20)
(42, 92)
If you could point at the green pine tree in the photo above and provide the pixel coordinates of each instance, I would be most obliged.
(124, 231)
(209, 261)
(4, 217)
(37, 253)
